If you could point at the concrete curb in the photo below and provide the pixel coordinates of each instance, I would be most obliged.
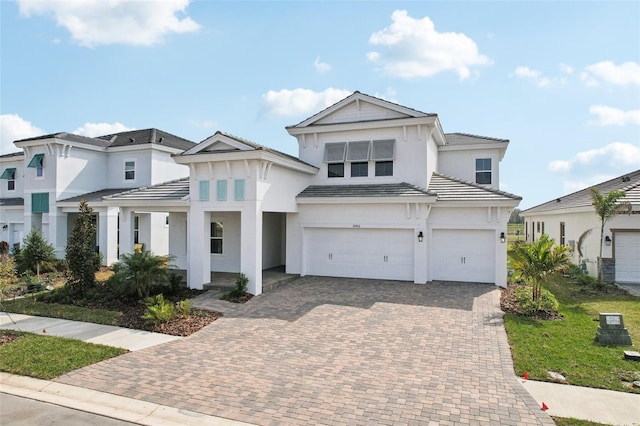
(105, 404)
(596, 405)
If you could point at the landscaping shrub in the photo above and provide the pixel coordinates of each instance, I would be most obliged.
(183, 308)
(158, 310)
(36, 256)
(526, 305)
(144, 269)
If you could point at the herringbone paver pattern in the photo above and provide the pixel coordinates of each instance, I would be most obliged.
(338, 351)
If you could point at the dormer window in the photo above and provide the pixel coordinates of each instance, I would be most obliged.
(37, 162)
(10, 176)
(483, 171)
(129, 170)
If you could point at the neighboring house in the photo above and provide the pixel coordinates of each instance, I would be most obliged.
(571, 220)
(43, 185)
(377, 190)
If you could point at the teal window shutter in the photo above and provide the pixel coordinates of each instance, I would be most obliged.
(221, 190)
(239, 189)
(40, 202)
(36, 161)
(204, 190)
(9, 174)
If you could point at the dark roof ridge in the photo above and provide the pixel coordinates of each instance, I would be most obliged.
(475, 185)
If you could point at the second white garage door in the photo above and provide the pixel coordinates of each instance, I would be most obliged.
(359, 253)
(627, 252)
(463, 255)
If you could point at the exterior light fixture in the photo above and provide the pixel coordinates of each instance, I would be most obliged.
(503, 238)
(420, 237)
(607, 241)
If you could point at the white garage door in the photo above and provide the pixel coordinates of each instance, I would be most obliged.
(627, 252)
(359, 253)
(463, 255)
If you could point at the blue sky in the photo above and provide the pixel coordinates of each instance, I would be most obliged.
(560, 80)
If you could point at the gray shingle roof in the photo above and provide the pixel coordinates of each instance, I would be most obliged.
(147, 136)
(12, 154)
(94, 196)
(70, 137)
(173, 190)
(9, 202)
(629, 182)
(379, 190)
(452, 189)
(468, 139)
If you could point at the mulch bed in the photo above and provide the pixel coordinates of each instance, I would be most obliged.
(7, 336)
(509, 304)
(178, 326)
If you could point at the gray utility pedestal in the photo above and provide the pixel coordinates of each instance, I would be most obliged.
(611, 330)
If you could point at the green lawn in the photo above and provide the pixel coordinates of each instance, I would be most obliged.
(30, 306)
(567, 346)
(46, 357)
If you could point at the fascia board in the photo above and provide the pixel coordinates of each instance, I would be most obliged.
(62, 142)
(246, 155)
(144, 147)
(366, 200)
(362, 125)
(488, 203)
(496, 145)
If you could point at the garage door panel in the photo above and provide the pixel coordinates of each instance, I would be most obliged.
(627, 257)
(463, 255)
(359, 253)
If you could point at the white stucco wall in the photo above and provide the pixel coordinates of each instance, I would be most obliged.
(115, 165)
(229, 260)
(178, 239)
(12, 163)
(164, 169)
(273, 240)
(81, 172)
(462, 164)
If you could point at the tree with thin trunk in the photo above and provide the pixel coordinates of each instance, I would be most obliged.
(539, 260)
(606, 206)
(38, 253)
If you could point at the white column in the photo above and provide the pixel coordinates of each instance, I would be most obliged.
(108, 234)
(57, 232)
(251, 246)
(199, 258)
(126, 231)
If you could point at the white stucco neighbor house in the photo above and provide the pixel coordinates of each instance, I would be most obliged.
(571, 220)
(42, 186)
(377, 190)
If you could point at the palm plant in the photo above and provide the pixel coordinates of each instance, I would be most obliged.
(143, 269)
(606, 207)
(538, 260)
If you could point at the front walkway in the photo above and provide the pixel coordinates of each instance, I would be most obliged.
(337, 351)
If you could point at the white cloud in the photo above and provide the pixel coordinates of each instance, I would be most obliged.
(616, 156)
(285, 102)
(606, 116)
(99, 22)
(100, 129)
(415, 49)
(537, 77)
(321, 67)
(12, 128)
(625, 74)
(567, 69)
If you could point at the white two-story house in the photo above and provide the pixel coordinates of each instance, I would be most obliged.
(377, 190)
(42, 187)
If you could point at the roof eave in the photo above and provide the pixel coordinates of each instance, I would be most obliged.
(426, 199)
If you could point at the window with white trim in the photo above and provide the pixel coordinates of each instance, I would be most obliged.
(37, 162)
(10, 175)
(129, 170)
(359, 154)
(483, 171)
(217, 231)
(136, 230)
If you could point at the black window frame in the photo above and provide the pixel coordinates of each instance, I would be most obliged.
(384, 168)
(484, 176)
(335, 170)
(216, 236)
(359, 169)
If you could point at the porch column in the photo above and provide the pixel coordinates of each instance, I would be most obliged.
(57, 231)
(251, 246)
(198, 251)
(126, 231)
(108, 234)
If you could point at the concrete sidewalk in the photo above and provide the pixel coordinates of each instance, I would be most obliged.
(109, 335)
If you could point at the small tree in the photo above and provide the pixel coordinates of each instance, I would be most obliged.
(539, 260)
(606, 207)
(143, 269)
(81, 256)
(8, 275)
(37, 253)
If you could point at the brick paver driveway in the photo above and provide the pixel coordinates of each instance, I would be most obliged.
(337, 351)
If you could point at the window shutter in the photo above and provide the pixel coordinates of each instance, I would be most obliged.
(358, 151)
(204, 190)
(36, 161)
(221, 190)
(9, 174)
(239, 190)
(383, 150)
(334, 152)
(40, 202)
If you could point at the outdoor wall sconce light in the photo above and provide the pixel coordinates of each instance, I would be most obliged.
(5, 226)
(420, 237)
(502, 237)
(607, 241)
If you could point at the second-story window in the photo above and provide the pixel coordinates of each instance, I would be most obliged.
(334, 157)
(37, 162)
(129, 170)
(10, 176)
(383, 153)
(483, 171)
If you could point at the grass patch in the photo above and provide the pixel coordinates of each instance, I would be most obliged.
(46, 357)
(30, 306)
(567, 346)
(560, 421)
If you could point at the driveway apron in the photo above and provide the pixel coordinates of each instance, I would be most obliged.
(337, 351)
